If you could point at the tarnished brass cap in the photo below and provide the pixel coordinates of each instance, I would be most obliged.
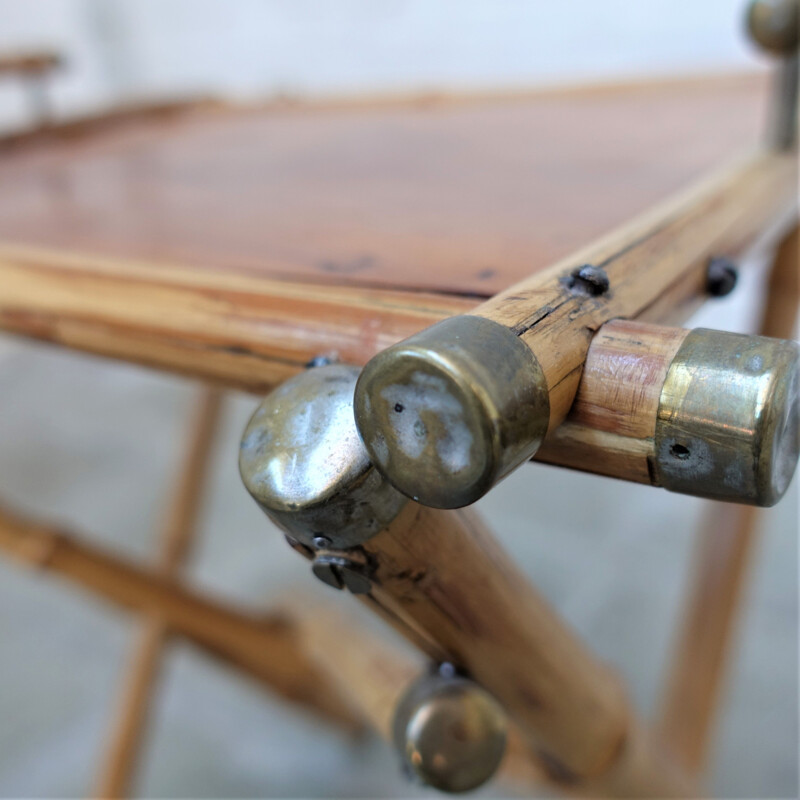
(303, 462)
(450, 732)
(450, 411)
(728, 423)
(774, 24)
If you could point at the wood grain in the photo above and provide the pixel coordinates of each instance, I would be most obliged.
(611, 426)
(462, 195)
(442, 573)
(264, 647)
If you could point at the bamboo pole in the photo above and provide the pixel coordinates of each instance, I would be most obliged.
(671, 244)
(375, 675)
(509, 371)
(265, 647)
(724, 552)
(126, 738)
(238, 331)
(442, 572)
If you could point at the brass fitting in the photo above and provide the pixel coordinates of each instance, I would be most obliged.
(303, 462)
(450, 733)
(728, 424)
(773, 25)
(450, 411)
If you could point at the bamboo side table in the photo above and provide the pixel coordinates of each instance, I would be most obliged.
(280, 248)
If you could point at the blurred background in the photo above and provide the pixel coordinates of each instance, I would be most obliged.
(93, 444)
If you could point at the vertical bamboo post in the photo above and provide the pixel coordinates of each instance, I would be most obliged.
(722, 559)
(130, 724)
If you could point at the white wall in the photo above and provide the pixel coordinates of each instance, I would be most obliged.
(247, 48)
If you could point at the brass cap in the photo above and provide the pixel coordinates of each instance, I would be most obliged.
(450, 411)
(728, 424)
(450, 732)
(303, 462)
(773, 25)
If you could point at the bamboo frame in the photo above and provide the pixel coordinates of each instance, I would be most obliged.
(128, 731)
(262, 646)
(441, 575)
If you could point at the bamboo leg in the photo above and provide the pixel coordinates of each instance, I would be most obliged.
(374, 676)
(722, 560)
(442, 573)
(265, 647)
(129, 727)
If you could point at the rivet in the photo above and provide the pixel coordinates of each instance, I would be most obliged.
(340, 572)
(721, 276)
(320, 361)
(590, 280)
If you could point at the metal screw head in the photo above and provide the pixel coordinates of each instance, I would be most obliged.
(590, 280)
(773, 25)
(450, 732)
(327, 573)
(721, 277)
(341, 571)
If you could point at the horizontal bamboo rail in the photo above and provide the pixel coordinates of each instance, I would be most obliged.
(26, 64)
(264, 647)
(611, 427)
(646, 259)
(509, 371)
(237, 331)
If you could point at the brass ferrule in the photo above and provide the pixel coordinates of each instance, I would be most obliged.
(728, 424)
(450, 733)
(450, 411)
(774, 25)
(304, 464)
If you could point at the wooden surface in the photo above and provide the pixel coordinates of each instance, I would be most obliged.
(451, 194)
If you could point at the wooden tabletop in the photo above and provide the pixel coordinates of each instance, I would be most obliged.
(461, 195)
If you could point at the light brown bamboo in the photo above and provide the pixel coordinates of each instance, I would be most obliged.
(444, 574)
(238, 331)
(264, 647)
(374, 676)
(126, 738)
(644, 260)
(611, 427)
(724, 551)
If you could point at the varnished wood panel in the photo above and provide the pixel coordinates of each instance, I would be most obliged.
(450, 194)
